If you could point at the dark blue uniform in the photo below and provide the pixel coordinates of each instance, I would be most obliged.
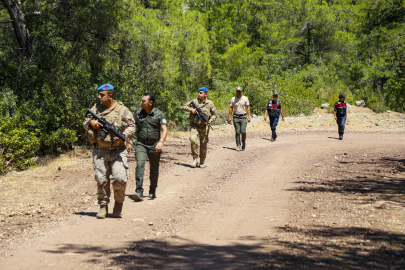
(341, 113)
(273, 109)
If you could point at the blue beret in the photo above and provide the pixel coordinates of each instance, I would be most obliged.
(106, 87)
(341, 95)
(203, 89)
(275, 94)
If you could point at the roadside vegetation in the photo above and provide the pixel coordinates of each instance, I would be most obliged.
(54, 55)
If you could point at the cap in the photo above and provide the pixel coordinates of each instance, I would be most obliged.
(203, 89)
(275, 94)
(341, 95)
(239, 89)
(106, 87)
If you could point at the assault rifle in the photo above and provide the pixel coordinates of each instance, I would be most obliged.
(201, 114)
(108, 127)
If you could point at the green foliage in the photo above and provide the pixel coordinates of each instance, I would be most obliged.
(17, 143)
(311, 50)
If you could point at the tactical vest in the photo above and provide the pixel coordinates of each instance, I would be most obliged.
(273, 109)
(114, 117)
(205, 108)
(341, 108)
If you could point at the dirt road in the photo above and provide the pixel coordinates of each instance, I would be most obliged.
(306, 201)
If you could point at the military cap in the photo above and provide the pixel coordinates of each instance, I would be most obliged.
(106, 87)
(203, 89)
(341, 95)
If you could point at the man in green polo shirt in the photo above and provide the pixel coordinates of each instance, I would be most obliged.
(151, 133)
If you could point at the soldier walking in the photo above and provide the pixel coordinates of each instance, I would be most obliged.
(239, 106)
(340, 113)
(273, 110)
(151, 133)
(200, 129)
(110, 162)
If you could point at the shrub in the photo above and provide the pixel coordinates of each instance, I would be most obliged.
(17, 143)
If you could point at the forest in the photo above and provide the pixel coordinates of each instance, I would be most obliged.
(55, 54)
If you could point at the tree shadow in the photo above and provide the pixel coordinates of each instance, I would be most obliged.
(330, 248)
(374, 183)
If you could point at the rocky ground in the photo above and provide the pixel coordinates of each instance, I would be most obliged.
(336, 205)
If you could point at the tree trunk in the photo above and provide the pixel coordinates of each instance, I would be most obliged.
(19, 25)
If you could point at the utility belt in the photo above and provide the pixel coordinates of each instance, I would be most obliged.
(239, 115)
(108, 147)
(148, 141)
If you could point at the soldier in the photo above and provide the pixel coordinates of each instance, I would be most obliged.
(340, 115)
(273, 111)
(110, 162)
(198, 128)
(151, 133)
(239, 105)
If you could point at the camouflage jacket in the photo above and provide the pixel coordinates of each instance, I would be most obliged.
(207, 107)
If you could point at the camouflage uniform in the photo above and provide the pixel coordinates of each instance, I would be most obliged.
(110, 163)
(199, 130)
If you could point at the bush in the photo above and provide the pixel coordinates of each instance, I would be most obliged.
(17, 143)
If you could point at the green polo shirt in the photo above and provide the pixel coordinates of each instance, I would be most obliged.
(148, 125)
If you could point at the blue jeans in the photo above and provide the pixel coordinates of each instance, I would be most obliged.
(273, 125)
(341, 121)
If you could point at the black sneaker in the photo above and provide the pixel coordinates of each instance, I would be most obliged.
(243, 146)
(137, 197)
(341, 137)
(272, 139)
(152, 195)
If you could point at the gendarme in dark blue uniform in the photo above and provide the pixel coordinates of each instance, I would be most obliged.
(273, 111)
(340, 115)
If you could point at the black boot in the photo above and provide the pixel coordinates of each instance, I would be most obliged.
(340, 136)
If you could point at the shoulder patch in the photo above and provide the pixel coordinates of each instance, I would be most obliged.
(164, 121)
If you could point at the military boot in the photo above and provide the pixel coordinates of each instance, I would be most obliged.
(117, 209)
(103, 213)
(202, 165)
(340, 136)
(195, 162)
(272, 139)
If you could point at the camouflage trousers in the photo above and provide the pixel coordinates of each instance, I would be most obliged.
(199, 133)
(110, 166)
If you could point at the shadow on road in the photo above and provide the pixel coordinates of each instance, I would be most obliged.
(230, 148)
(378, 181)
(90, 214)
(183, 164)
(324, 254)
(336, 138)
